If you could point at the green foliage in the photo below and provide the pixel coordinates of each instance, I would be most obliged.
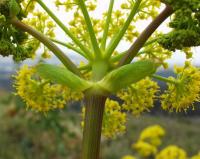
(185, 24)
(6, 48)
(63, 76)
(14, 8)
(128, 74)
(11, 8)
(12, 40)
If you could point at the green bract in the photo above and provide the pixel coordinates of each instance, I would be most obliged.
(126, 75)
(63, 76)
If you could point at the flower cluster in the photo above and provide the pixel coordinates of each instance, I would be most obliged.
(149, 140)
(41, 95)
(196, 156)
(185, 24)
(145, 149)
(69, 5)
(128, 157)
(139, 97)
(153, 52)
(152, 135)
(12, 40)
(41, 22)
(147, 8)
(184, 90)
(148, 146)
(114, 119)
(172, 152)
(27, 6)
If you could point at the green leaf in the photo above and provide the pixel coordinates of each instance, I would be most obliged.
(62, 76)
(14, 8)
(126, 75)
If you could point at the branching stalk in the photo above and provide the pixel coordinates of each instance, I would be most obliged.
(108, 20)
(64, 28)
(117, 38)
(93, 38)
(69, 46)
(49, 44)
(141, 40)
(161, 78)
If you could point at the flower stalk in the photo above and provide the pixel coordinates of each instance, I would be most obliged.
(65, 29)
(48, 43)
(141, 40)
(90, 29)
(117, 38)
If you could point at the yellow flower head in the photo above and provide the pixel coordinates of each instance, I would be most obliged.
(114, 119)
(196, 156)
(145, 149)
(140, 96)
(152, 135)
(128, 157)
(184, 91)
(39, 94)
(172, 152)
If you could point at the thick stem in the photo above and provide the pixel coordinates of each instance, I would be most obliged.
(95, 105)
(141, 40)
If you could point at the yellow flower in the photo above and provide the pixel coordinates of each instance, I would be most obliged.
(145, 149)
(128, 157)
(184, 91)
(140, 96)
(196, 156)
(39, 94)
(172, 152)
(152, 135)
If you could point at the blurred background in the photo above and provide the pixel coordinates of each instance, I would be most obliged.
(57, 135)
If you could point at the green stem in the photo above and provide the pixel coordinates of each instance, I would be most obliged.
(95, 105)
(120, 55)
(141, 40)
(107, 24)
(117, 38)
(49, 44)
(90, 29)
(151, 41)
(64, 28)
(161, 78)
(69, 46)
(85, 67)
(117, 57)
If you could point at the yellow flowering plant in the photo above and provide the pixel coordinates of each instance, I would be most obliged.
(148, 146)
(28, 26)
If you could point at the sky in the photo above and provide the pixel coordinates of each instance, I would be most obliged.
(178, 58)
